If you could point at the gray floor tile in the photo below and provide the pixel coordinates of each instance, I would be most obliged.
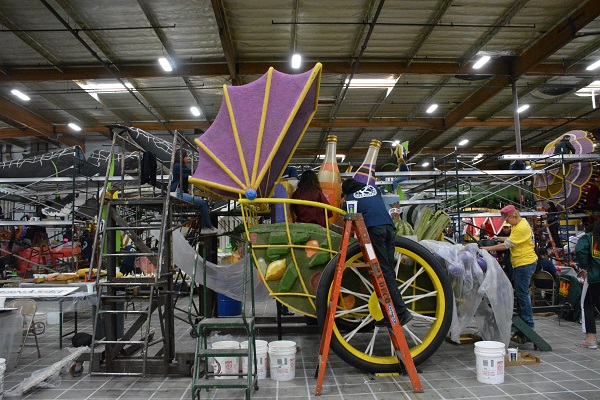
(565, 373)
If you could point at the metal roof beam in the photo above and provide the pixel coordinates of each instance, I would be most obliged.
(153, 70)
(20, 117)
(227, 42)
(31, 42)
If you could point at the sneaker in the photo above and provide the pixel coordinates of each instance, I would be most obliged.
(588, 345)
(385, 323)
(219, 232)
(208, 231)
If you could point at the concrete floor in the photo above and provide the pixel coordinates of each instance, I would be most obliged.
(567, 372)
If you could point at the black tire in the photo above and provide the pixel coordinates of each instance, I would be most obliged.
(427, 294)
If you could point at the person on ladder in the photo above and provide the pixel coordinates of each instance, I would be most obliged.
(381, 231)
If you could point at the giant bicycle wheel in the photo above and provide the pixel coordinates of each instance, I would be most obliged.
(425, 289)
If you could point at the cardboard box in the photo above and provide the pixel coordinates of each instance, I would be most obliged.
(523, 358)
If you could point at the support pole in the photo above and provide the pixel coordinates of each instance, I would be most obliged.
(516, 117)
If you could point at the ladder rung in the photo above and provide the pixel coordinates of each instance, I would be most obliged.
(120, 342)
(129, 253)
(123, 228)
(222, 353)
(225, 322)
(127, 282)
(118, 373)
(122, 312)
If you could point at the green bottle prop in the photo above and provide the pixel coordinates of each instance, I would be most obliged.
(329, 176)
(366, 172)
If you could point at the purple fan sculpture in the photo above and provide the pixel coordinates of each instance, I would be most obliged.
(255, 133)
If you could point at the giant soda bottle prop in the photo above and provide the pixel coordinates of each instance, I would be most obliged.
(366, 172)
(329, 176)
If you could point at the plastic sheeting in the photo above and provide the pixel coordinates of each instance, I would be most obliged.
(481, 293)
(224, 279)
(49, 377)
(11, 332)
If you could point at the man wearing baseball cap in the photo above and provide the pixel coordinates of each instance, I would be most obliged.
(504, 255)
(522, 256)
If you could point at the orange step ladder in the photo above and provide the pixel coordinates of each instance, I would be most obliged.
(355, 223)
(557, 251)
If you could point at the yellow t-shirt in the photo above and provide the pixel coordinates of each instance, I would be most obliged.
(523, 252)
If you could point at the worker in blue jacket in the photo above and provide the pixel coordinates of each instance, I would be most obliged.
(382, 233)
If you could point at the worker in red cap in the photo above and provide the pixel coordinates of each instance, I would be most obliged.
(522, 257)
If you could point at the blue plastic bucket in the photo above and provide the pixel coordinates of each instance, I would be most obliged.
(228, 307)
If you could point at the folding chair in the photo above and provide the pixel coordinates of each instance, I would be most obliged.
(27, 308)
(543, 288)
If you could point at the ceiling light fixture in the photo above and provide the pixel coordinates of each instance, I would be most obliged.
(432, 108)
(296, 61)
(195, 111)
(481, 62)
(593, 66)
(20, 95)
(425, 164)
(165, 64)
(522, 108)
(75, 127)
(396, 143)
(463, 142)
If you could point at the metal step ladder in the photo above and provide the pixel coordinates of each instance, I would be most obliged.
(124, 354)
(201, 377)
(354, 223)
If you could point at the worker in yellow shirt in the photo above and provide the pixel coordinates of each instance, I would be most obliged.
(522, 257)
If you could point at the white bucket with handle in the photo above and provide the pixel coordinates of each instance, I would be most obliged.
(282, 360)
(490, 362)
(261, 358)
(226, 365)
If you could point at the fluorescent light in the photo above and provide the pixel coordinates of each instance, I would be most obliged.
(522, 108)
(432, 108)
(425, 164)
(589, 90)
(296, 61)
(396, 143)
(478, 156)
(371, 83)
(165, 64)
(20, 95)
(195, 111)
(75, 127)
(593, 66)
(481, 62)
(463, 142)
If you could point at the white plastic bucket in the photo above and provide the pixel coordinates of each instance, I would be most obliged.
(261, 358)
(282, 360)
(2, 370)
(226, 365)
(39, 322)
(490, 362)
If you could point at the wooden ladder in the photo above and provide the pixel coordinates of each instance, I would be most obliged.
(355, 223)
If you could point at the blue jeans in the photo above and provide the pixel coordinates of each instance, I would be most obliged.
(204, 213)
(383, 239)
(522, 276)
(397, 181)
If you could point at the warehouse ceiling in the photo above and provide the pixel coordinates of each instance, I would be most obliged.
(72, 59)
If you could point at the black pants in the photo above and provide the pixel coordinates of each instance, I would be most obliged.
(383, 238)
(591, 302)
